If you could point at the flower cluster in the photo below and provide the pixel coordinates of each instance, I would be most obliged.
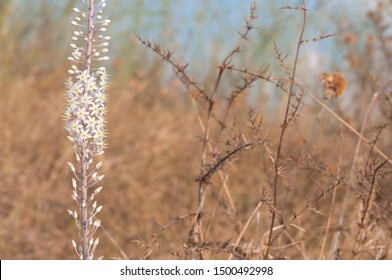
(85, 113)
(86, 97)
(85, 117)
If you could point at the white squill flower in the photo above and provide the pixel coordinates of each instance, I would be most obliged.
(85, 116)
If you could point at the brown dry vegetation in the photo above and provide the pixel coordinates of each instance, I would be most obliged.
(155, 147)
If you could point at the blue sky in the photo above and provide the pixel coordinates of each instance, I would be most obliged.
(203, 31)
(195, 26)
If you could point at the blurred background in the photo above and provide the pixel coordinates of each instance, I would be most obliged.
(154, 146)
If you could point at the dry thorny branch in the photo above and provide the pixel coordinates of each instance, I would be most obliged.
(214, 159)
(218, 159)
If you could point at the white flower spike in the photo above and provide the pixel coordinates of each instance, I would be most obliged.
(85, 115)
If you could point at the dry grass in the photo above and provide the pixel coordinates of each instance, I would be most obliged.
(153, 166)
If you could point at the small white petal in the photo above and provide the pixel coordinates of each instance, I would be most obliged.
(74, 183)
(99, 165)
(71, 167)
(98, 190)
(74, 196)
(97, 223)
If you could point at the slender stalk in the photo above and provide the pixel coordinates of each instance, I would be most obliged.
(246, 226)
(331, 208)
(83, 200)
(337, 237)
(84, 151)
(90, 29)
(283, 130)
